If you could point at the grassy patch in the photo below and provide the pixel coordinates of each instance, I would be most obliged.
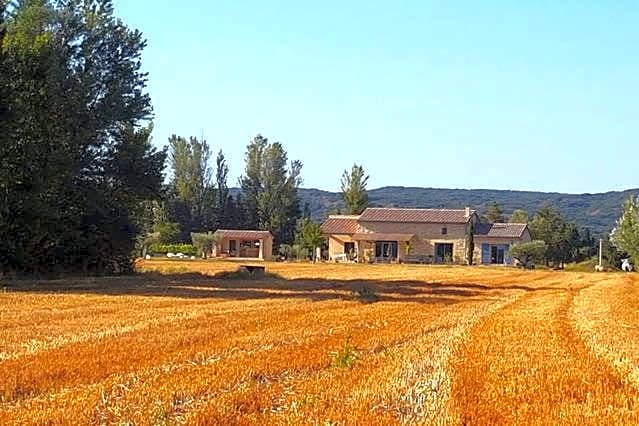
(585, 266)
(345, 357)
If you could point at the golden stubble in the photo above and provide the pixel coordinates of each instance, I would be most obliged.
(433, 345)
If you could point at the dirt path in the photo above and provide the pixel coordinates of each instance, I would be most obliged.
(525, 364)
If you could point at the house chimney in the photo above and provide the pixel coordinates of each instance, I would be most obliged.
(467, 212)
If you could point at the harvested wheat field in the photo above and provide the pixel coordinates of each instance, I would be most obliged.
(198, 343)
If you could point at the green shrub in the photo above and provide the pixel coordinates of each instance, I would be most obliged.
(346, 356)
(366, 295)
(187, 249)
(528, 253)
(204, 242)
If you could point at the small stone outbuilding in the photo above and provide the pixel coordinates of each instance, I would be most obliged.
(243, 244)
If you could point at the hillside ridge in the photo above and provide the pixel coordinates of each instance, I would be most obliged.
(597, 211)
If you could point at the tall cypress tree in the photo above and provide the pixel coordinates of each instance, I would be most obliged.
(221, 180)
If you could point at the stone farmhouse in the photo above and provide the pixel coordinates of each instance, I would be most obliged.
(420, 236)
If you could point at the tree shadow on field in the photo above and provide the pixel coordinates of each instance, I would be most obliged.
(237, 285)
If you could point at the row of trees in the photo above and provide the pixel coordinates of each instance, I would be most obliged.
(198, 200)
(557, 243)
(76, 160)
(80, 182)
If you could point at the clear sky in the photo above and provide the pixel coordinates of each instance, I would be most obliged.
(537, 95)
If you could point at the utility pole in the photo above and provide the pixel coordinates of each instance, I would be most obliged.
(600, 252)
(599, 268)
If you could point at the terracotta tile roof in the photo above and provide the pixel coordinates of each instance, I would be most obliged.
(415, 215)
(340, 225)
(377, 236)
(243, 234)
(500, 230)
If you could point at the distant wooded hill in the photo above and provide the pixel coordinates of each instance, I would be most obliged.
(595, 211)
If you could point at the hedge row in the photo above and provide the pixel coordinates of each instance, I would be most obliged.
(187, 249)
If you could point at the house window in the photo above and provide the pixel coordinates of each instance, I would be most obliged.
(249, 244)
(444, 231)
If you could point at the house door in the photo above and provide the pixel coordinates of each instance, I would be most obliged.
(232, 248)
(443, 253)
(386, 250)
(497, 255)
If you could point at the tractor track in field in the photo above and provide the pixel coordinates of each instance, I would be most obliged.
(526, 364)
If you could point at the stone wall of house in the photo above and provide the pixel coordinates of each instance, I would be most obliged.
(336, 245)
(426, 236)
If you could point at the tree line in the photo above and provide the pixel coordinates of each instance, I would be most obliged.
(197, 198)
(556, 241)
(76, 159)
(81, 186)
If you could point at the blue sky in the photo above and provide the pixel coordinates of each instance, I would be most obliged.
(537, 95)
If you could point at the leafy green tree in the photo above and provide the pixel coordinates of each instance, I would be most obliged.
(166, 232)
(76, 160)
(518, 216)
(204, 242)
(494, 214)
(560, 237)
(309, 236)
(583, 245)
(251, 181)
(189, 161)
(527, 253)
(612, 257)
(625, 236)
(269, 188)
(354, 190)
(237, 213)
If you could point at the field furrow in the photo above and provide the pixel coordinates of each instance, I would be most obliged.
(606, 315)
(525, 364)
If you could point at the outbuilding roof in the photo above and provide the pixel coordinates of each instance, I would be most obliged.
(340, 225)
(401, 215)
(500, 230)
(243, 234)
